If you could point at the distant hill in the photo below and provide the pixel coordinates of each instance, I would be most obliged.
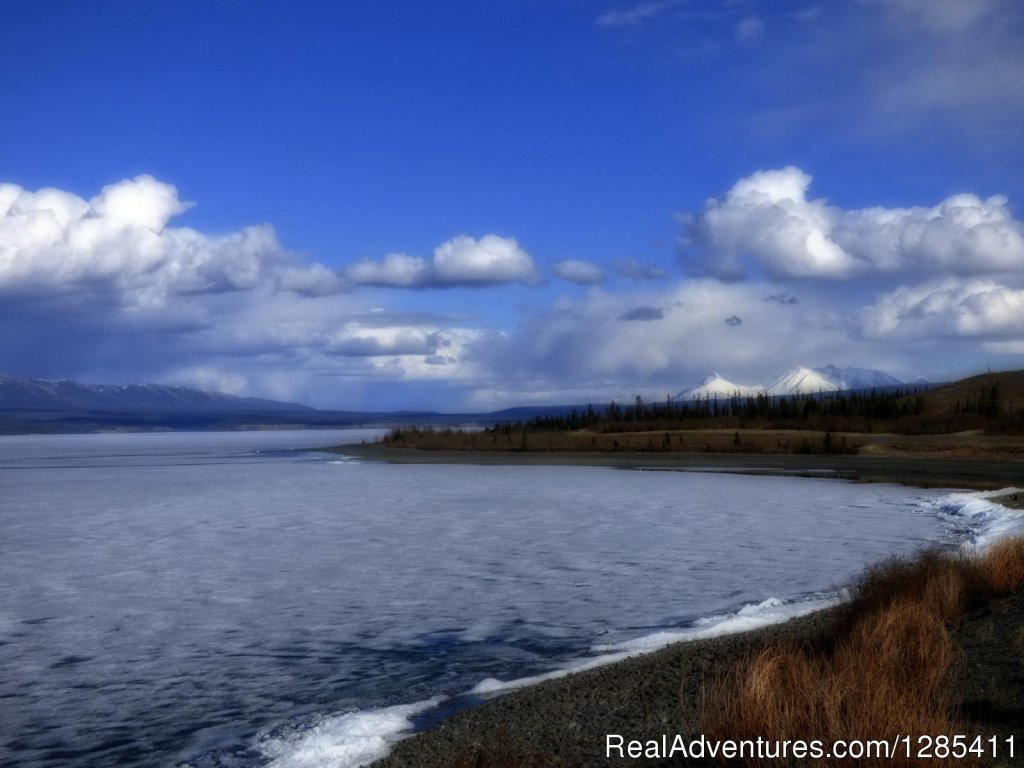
(55, 406)
(64, 395)
(972, 394)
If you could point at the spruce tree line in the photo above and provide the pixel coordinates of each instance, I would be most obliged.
(754, 410)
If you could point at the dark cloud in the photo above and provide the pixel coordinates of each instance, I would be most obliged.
(401, 343)
(643, 313)
(439, 360)
(579, 272)
(734, 320)
(781, 298)
(635, 270)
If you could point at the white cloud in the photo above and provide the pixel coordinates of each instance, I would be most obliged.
(118, 243)
(767, 220)
(141, 202)
(767, 216)
(587, 341)
(311, 280)
(355, 340)
(491, 260)
(112, 292)
(946, 308)
(579, 272)
(396, 270)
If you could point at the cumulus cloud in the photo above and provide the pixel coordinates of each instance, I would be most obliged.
(946, 308)
(585, 341)
(491, 259)
(106, 289)
(109, 290)
(462, 261)
(312, 280)
(579, 272)
(396, 270)
(766, 220)
(119, 243)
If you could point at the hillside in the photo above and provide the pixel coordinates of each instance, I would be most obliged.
(958, 396)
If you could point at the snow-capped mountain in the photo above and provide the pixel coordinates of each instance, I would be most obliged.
(805, 381)
(858, 378)
(714, 385)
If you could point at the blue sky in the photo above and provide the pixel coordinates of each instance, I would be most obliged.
(469, 205)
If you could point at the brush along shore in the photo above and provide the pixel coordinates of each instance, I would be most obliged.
(932, 470)
(756, 442)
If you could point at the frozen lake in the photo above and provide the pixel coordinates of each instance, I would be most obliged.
(223, 600)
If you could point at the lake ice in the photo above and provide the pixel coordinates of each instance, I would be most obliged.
(223, 600)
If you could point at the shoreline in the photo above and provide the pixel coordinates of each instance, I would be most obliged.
(656, 695)
(933, 472)
(564, 721)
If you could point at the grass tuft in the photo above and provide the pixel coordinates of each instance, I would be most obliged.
(886, 671)
(1003, 565)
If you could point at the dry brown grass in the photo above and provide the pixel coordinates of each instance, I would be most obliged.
(1003, 565)
(887, 670)
(946, 582)
(888, 679)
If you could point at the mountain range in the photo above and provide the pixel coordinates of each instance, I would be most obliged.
(43, 405)
(41, 394)
(794, 382)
